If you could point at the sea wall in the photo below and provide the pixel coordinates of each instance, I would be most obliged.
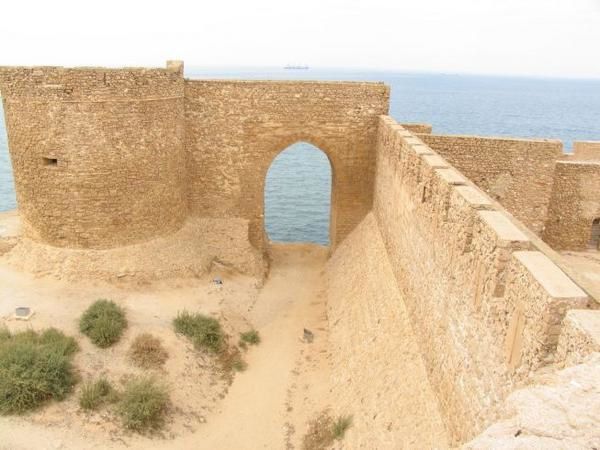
(234, 130)
(486, 306)
(517, 172)
(574, 206)
(97, 154)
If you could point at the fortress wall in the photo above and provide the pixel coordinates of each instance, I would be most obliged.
(516, 172)
(485, 305)
(574, 205)
(379, 376)
(579, 338)
(234, 130)
(586, 150)
(97, 153)
(419, 128)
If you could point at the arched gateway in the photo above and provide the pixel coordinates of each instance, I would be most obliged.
(109, 157)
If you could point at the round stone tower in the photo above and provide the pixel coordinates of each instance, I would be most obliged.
(97, 154)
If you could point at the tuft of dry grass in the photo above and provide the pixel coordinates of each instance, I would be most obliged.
(249, 338)
(204, 331)
(146, 351)
(340, 426)
(324, 430)
(231, 360)
(143, 404)
(96, 393)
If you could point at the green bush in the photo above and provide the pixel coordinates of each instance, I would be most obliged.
(205, 332)
(103, 322)
(96, 393)
(143, 404)
(147, 352)
(250, 337)
(34, 368)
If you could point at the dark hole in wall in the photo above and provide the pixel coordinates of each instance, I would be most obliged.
(595, 236)
(50, 161)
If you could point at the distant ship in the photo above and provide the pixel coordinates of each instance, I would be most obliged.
(293, 67)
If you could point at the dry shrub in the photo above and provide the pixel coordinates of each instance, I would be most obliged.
(324, 430)
(147, 352)
(96, 393)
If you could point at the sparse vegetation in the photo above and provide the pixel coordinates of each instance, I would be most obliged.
(324, 430)
(34, 368)
(143, 404)
(147, 352)
(249, 338)
(340, 426)
(205, 332)
(4, 334)
(238, 364)
(103, 322)
(96, 393)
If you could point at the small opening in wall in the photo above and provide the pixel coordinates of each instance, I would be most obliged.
(595, 237)
(50, 161)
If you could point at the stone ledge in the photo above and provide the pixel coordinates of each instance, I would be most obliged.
(451, 176)
(435, 161)
(502, 226)
(549, 275)
(474, 197)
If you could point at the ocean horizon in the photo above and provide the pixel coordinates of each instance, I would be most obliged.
(298, 184)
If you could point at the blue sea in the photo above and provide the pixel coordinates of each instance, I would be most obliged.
(298, 185)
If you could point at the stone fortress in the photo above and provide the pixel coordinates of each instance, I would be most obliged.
(475, 237)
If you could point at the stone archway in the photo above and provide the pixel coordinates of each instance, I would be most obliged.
(297, 195)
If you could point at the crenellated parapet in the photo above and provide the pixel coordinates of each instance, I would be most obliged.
(486, 300)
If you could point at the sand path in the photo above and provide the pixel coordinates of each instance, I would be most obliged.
(254, 412)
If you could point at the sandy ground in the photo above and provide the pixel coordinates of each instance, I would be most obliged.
(267, 406)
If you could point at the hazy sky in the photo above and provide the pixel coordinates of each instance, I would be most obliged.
(529, 37)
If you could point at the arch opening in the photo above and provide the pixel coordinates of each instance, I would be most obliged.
(297, 195)
(8, 200)
(595, 235)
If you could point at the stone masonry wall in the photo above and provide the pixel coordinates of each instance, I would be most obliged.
(378, 373)
(574, 205)
(234, 130)
(485, 304)
(517, 172)
(579, 338)
(586, 151)
(110, 157)
(97, 154)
